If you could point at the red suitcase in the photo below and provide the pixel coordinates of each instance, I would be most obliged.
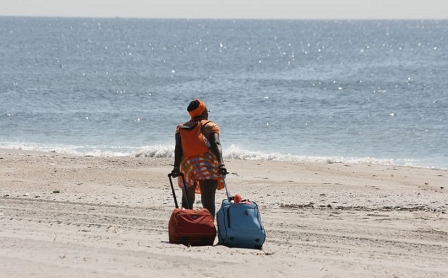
(189, 226)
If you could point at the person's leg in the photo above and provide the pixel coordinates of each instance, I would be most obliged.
(208, 191)
(191, 195)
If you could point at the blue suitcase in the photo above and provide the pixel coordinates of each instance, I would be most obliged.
(239, 224)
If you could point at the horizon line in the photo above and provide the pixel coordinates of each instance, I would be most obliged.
(227, 18)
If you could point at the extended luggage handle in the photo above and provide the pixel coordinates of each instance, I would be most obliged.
(229, 196)
(170, 176)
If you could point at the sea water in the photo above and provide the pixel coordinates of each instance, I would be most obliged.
(337, 90)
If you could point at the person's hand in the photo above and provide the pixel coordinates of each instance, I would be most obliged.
(222, 170)
(175, 172)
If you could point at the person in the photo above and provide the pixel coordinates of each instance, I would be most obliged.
(203, 173)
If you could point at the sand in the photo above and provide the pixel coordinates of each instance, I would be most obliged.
(79, 216)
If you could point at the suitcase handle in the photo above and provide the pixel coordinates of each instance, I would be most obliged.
(229, 197)
(171, 176)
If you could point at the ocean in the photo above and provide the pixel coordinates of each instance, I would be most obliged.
(346, 91)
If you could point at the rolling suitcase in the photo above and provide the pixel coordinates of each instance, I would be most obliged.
(188, 226)
(239, 224)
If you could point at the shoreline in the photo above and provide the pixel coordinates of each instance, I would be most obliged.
(232, 153)
(110, 216)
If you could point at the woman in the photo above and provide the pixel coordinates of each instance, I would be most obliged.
(199, 160)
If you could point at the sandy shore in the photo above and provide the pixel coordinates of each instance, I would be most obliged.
(110, 219)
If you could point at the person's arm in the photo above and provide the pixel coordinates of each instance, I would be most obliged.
(177, 154)
(216, 148)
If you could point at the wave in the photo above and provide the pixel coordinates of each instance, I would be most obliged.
(167, 151)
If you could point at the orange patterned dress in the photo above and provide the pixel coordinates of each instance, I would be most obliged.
(201, 167)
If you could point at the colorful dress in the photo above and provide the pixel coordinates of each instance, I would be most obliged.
(203, 166)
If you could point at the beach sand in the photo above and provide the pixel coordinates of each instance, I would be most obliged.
(81, 216)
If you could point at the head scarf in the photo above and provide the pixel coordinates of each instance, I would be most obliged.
(198, 111)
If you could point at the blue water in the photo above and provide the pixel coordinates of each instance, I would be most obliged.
(352, 91)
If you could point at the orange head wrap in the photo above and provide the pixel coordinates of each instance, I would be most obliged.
(198, 110)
